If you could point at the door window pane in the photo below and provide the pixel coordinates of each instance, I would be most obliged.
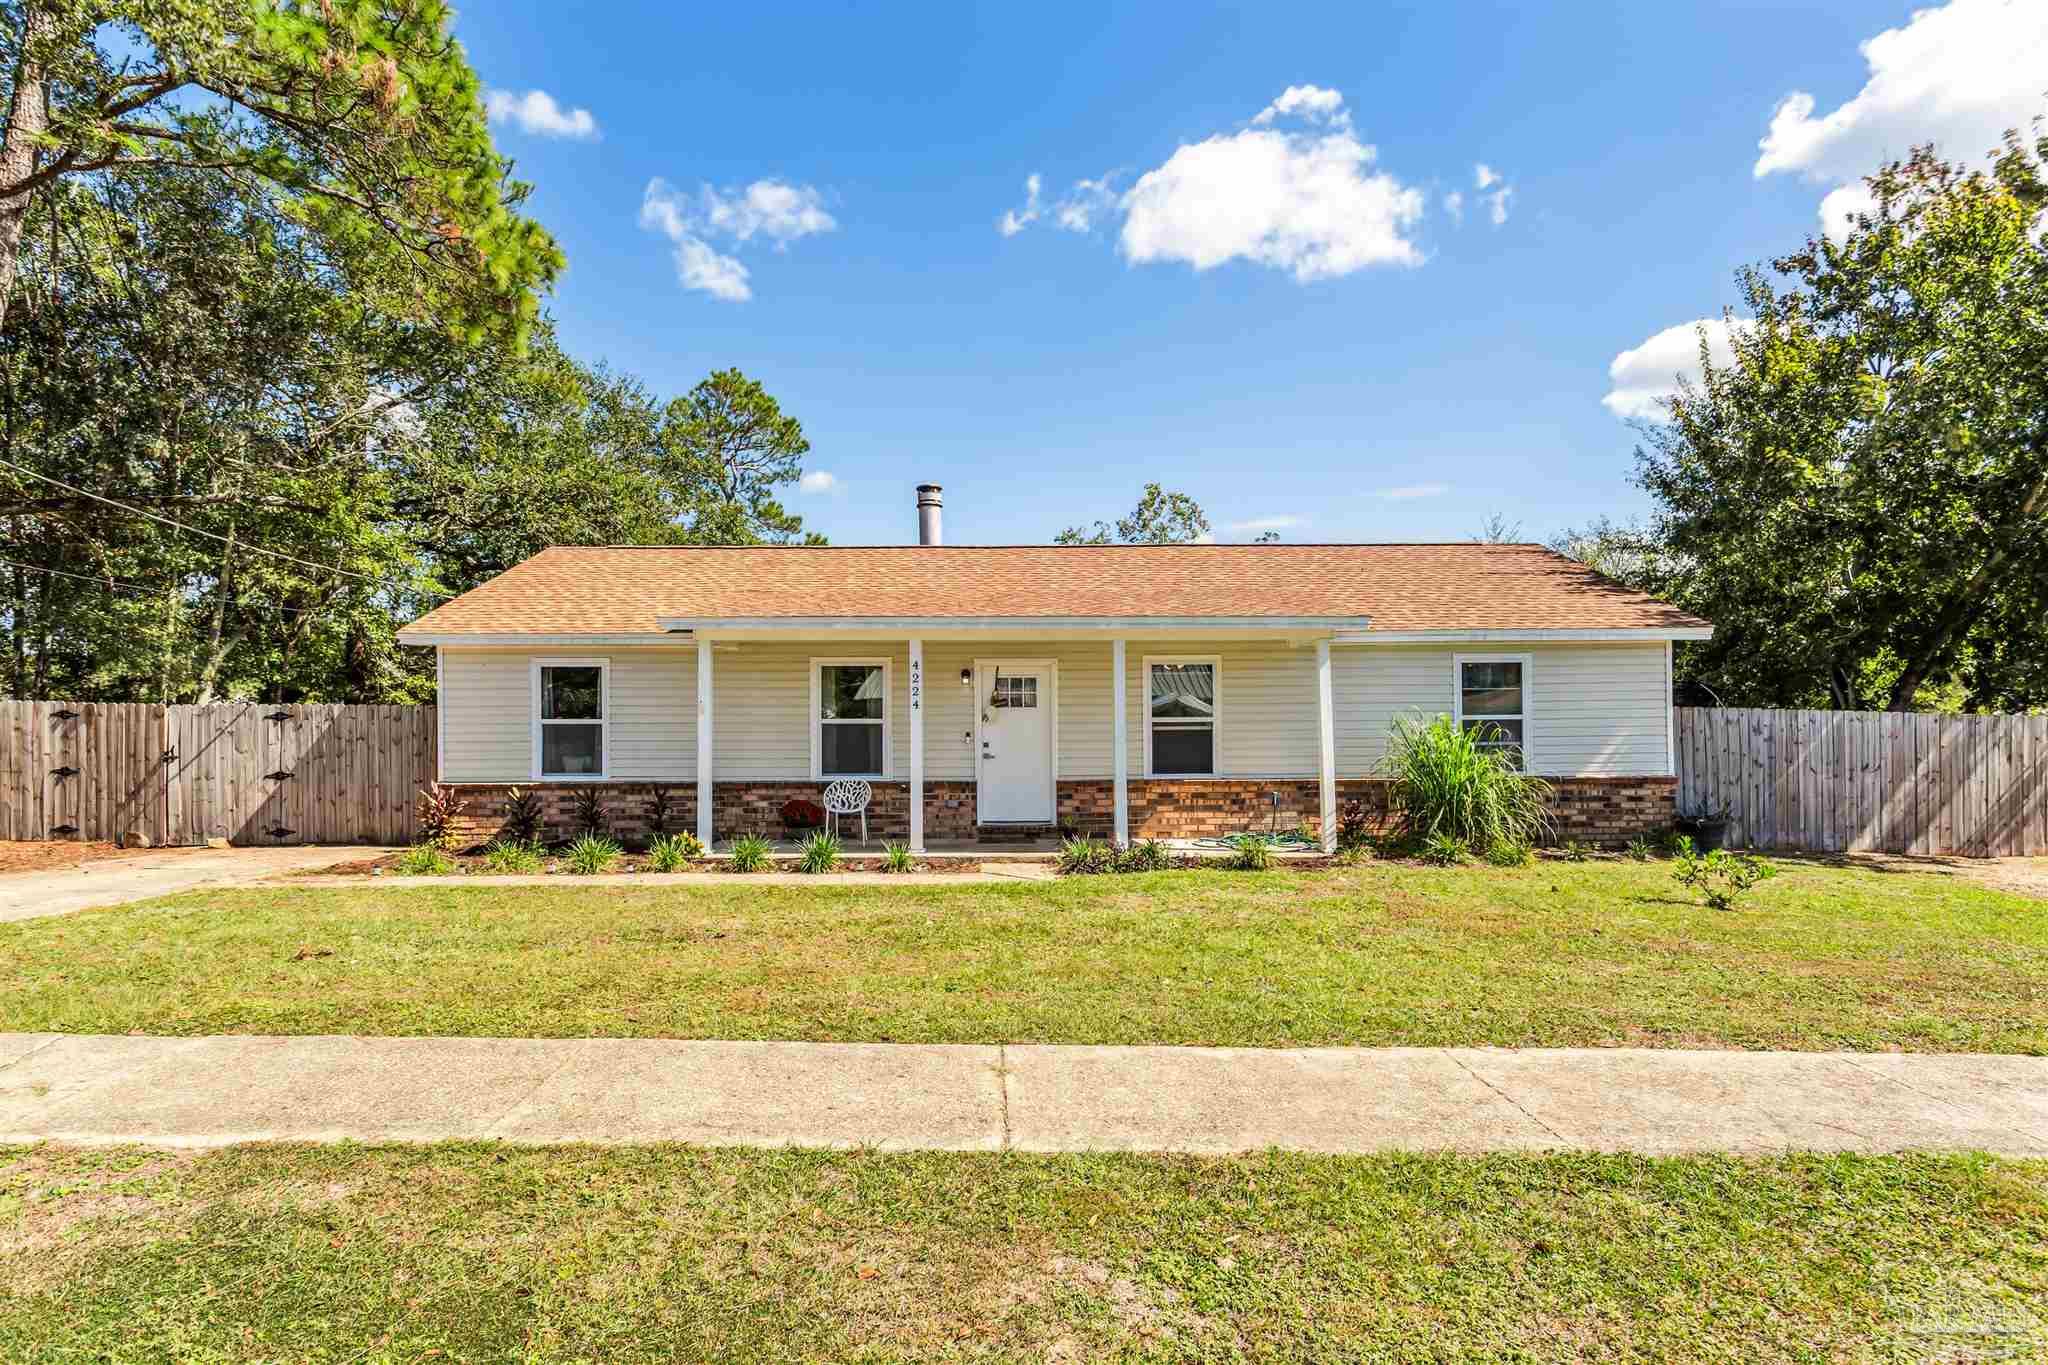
(571, 749)
(571, 693)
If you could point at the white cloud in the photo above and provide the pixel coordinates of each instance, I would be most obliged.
(1645, 375)
(1494, 192)
(767, 208)
(1838, 209)
(1303, 202)
(770, 208)
(1957, 75)
(1454, 204)
(1275, 523)
(1409, 491)
(1083, 204)
(1077, 210)
(1311, 102)
(817, 481)
(536, 112)
(1015, 221)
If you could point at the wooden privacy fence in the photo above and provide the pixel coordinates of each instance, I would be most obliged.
(1841, 781)
(246, 772)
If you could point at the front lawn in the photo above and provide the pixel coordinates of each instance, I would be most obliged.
(1553, 954)
(476, 1253)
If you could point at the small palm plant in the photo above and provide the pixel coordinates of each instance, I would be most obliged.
(1254, 852)
(511, 856)
(1459, 784)
(821, 853)
(749, 853)
(1086, 855)
(673, 852)
(424, 860)
(897, 858)
(591, 855)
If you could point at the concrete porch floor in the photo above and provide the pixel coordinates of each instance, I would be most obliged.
(969, 850)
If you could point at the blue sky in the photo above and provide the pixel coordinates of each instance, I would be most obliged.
(1358, 358)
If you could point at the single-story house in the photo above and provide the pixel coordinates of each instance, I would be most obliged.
(1136, 690)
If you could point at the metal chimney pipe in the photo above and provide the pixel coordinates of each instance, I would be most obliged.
(928, 504)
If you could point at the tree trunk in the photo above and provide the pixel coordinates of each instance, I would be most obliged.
(1966, 605)
(27, 117)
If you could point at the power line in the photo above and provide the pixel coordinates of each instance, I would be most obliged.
(111, 583)
(179, 525)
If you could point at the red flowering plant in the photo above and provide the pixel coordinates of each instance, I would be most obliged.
(802, 814)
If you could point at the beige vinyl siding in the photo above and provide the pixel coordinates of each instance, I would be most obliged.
(487, 712)
(761, 707)
(486, 716)
(1597, 709)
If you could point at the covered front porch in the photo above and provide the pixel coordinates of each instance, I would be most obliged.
(977, 740)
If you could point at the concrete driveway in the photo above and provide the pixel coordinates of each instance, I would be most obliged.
(117, 881)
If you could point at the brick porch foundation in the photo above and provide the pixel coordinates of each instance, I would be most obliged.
(1606, 811)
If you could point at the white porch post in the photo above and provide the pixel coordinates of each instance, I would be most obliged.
(1120, 763)
(704, 788)
(917, 746)
(1327, 726)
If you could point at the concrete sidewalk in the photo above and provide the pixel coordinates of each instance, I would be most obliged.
(213, 1091)
(117, 881)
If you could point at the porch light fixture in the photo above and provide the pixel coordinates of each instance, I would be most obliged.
(967, 677)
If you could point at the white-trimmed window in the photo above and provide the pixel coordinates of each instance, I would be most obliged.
(1182, 697)
(849, 718)
(571, 717)
(1493, 695)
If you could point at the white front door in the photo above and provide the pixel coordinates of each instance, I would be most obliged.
(1015, 730)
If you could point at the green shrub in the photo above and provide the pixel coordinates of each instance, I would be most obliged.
(1445, 850)
(1086, 855)
(1147, 855)
(749, 853)
(673, 852)
(1720, 876)
(591, 855)
(511, 856)
(424, 860)
(821, 853)
(897, 858)
(1639, 850)
(1444, 783)
(1575, 852)
(1509, 853)
(1254, 852)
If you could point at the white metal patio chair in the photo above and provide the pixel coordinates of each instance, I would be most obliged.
(848, 796)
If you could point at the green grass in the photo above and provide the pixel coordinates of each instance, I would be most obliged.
(1552, 954)
(483, 1253)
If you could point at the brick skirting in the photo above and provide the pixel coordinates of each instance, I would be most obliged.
(1606, 811)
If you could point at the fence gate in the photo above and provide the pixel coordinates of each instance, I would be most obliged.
(246, 772)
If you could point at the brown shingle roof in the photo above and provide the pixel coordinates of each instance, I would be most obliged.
(624, 590)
